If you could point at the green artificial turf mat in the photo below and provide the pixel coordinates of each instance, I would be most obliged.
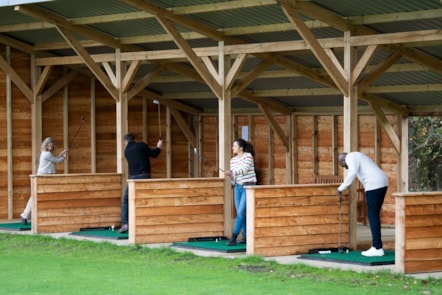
(15, 226)
(213, 245)
(102, 233)
(352, 257)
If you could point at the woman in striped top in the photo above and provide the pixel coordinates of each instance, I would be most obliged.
(242, 173)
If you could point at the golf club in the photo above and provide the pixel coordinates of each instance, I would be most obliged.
(340, 249)
(210, 162)
(159, 116)
(75, 135)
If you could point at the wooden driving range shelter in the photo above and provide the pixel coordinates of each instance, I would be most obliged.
(302, 80)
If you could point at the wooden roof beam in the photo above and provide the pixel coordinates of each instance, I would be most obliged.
(184, 127)
(59, 84)
(394, 138)
(197, 63)
(170, 103)
(343, 24)
(16, 79)
(162, 13)
(269, 103)
(275, 126)
(250, 77)
(39, 13)
(95, 69)
(246, 95)
(145, 81)
(316, 48)
(8, 41)
(378, 71)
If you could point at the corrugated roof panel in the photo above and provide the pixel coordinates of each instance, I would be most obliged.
(363, 7)
(415, 98)
(408, 78)
(131, 28)
(86, 8)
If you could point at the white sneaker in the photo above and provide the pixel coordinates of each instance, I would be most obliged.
(373, 252)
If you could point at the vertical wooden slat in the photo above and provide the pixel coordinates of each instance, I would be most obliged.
(9, 139)
(93, 130)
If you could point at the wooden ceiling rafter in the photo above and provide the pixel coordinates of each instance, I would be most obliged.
(58, 85)
(144, 81)
(55, 20)
(240, 85)
(211, 81)
(203, 68)
(322, 20)
(205, 8)
(380, 69)
(275, 126)
(16, 79)
(58, 21)
(90, 63)
(44, 76)
(207, 31)
(345, 26)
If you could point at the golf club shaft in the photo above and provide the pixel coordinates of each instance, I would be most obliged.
(159, 119)
(75, 135)
(339, 225)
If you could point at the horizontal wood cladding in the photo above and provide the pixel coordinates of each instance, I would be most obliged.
(418, 232)
(174, 210)
(68, 202)
(292, 219)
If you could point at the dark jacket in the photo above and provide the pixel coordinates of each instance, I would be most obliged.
(137, 155)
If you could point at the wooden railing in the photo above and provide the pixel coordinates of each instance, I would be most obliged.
(293, 219)
(418, 232)
(174, 210)
(68, 202)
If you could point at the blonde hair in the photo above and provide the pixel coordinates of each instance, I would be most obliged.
(45, 143)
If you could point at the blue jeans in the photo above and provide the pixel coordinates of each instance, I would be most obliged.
(375, 199)
(240, 206)
(125, 203)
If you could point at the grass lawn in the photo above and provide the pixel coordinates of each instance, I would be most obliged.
(34, 264)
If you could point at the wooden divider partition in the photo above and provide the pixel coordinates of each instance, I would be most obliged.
(418, 232)
(68, 202)
(174, 210)
(293, 219)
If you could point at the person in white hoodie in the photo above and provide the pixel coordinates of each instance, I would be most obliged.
(375, 183)
(45, 166)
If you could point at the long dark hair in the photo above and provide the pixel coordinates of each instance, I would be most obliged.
(246, 146)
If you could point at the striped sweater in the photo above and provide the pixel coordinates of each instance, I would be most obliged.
(243, 169)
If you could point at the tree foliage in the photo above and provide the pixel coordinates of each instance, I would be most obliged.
(425, 153)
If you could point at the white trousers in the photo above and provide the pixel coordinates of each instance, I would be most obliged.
(27, 212)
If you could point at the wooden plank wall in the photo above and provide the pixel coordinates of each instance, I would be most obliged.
(418, 232)
(292, 219)
(68, 202)
(21, 139)
(174, 210)
(312, 132)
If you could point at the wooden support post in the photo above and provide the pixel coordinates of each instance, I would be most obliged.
(225, 138)
(93, 128)
(9, 138)
(351, 132)
(402, 176)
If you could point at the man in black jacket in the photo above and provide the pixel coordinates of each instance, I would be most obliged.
(137, 155)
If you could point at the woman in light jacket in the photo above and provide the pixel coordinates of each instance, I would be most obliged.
(45, 166)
